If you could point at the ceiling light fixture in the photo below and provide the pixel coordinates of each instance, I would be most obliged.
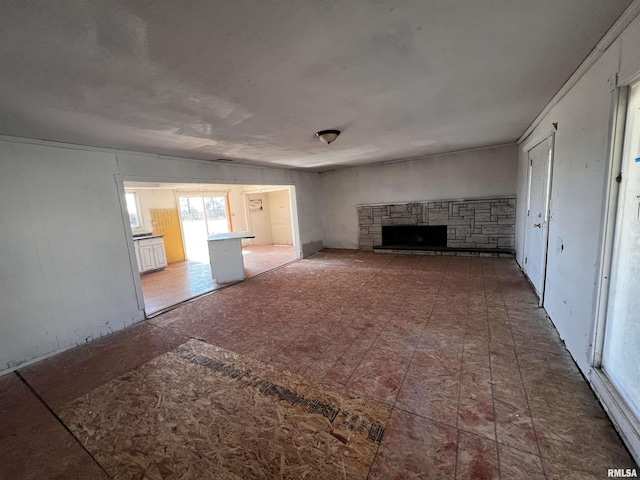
(328, 136)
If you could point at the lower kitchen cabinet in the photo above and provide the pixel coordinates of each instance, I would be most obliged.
(150, 253)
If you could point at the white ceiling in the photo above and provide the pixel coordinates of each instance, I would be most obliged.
(254, 80)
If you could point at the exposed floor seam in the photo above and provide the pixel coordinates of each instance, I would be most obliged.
(59, 420)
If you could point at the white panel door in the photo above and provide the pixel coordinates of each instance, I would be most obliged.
(536, 227)
(621, 352)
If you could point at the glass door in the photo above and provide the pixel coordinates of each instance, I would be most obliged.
(621, 352)
(217, 214)
(202, 216)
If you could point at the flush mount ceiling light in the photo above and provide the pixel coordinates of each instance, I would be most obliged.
(328, 136)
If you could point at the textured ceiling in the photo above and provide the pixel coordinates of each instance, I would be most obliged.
(254, 80)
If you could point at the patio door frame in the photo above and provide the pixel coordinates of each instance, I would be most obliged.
(202, 195)
(627, 425)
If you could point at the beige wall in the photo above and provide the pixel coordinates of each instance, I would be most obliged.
(280, 213)
(260, 221)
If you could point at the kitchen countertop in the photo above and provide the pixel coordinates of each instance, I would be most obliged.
(146, 237)
(230, 235)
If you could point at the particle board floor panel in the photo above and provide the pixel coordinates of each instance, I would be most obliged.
(200, 409)
(477, 381)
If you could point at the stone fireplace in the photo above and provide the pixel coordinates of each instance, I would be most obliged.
(471, 226)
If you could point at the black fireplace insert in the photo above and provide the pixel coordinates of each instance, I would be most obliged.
(414, 236)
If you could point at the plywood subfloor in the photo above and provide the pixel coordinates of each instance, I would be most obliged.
(478, 381)
(203, 412)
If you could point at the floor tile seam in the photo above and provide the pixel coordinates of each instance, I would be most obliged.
(520, 450)
(526, 393)
(495, 444)
(284, 348)
(369, 280)
(410, 362)
(52, 412)
(464, 339)
(525, 350)
(366, 352)
(455, 463)
(433, 420)
(393, 406)
(339, 356)
(482, 437)
(373, 461)
(493, 395)
(191, 337)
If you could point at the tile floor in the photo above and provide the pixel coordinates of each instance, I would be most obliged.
(479, 384)
(181, 281)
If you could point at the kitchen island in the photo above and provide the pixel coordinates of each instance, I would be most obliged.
(225, 256)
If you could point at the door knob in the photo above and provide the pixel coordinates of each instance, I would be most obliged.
(537, 225)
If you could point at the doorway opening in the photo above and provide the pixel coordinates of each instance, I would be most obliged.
(175, 221)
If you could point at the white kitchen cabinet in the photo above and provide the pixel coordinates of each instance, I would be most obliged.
(159, 254)
(138, 259)
(150, 253)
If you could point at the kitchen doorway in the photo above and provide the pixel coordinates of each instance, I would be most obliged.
(182, 216)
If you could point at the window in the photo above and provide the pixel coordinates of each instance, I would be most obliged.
(133, 207)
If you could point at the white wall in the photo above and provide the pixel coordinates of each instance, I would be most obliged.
(477, 173)
(584, 118)
(66, 275)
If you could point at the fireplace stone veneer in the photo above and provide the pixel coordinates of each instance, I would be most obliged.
(482, 224)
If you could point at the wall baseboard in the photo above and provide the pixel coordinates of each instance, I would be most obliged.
(30, 362)
(309, 249)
